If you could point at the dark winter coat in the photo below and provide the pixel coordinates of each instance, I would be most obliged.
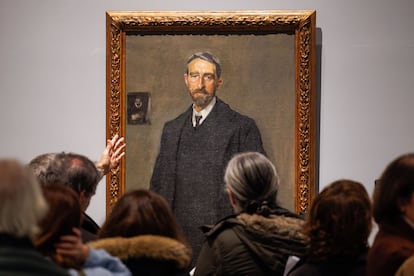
(335, 266)
(18, 257)
(89, 228)
(251, 245)
(393, 244)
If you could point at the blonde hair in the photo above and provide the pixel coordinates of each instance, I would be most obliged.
(22, 204)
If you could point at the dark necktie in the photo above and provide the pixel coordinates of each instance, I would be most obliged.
(197, 119)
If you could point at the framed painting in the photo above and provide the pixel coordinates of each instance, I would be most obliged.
(268, 70)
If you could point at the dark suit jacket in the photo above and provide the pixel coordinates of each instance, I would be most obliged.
(233, 133)
(223, 133)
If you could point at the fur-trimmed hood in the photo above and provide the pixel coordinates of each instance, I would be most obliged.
(286, 226)
(290, 227)
(146, 246)
(270, 239)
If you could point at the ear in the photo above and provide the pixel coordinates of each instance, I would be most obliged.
(219, 83)
(84, 200)
(233, 201)
(231, 197)
(82, 196)
(185, 79)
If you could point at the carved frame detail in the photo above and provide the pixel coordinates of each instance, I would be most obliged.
(301, 23)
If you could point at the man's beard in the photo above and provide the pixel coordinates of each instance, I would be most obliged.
(201, 98)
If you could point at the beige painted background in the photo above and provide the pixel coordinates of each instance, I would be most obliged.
(258, 81)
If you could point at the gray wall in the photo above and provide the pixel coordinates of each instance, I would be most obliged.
(53, 79)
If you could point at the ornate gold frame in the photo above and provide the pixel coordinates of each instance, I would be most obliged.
(299, 22)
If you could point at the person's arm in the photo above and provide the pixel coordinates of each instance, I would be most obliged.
(93, 262)
(251, 137)
(114, 151)
(72, 248)
(223, 254)
(207, 260)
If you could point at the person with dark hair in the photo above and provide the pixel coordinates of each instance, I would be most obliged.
(60, 238)
(261, 235)
(64, 214)
(40, 165)
(142, 231)
(110, 157)
(393, 206)
(338, 226)
(22, 206)
(81, 174)
(195, 148)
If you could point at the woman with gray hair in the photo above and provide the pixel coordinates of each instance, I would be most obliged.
(261, 235)
(22, 206)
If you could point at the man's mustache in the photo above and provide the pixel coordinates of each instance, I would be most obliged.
(203, 91)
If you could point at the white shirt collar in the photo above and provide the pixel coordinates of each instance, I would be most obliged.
(204, 113)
